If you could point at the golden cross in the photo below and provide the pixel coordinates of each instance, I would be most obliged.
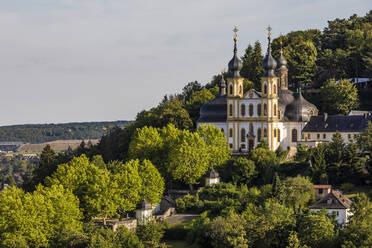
(269, 29)
(235, 30)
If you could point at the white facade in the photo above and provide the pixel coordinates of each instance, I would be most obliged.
(210, 181)
(341, 215)
(143, 215)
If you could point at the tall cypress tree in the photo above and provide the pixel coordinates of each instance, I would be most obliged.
(252, 64)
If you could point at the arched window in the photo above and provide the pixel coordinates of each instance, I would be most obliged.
(265, 109)
(265, 89)
(231, 89)
(242, 109)
(259, 109)
(259, 134)
(250, 127)
(274, 88)
(231, 132)
(240, 89)
(275, 133)
(275, 109)
(294, 135)
(265, 132)
(278, 133)
(242, 132)
(251, 109)
(231, 109)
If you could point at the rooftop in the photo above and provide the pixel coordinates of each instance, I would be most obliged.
(333, 200)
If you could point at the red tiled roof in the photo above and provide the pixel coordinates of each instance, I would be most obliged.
(322, 186)
(333, 200)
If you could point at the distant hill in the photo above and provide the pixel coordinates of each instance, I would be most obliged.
(40, 133)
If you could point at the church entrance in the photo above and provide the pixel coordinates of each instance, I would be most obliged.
(250, 144)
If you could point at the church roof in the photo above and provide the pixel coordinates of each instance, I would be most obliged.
(333, 200)
(214, 111)
(337, 123)
(299, 109)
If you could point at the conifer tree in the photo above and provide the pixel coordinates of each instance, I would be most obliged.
(252, 64)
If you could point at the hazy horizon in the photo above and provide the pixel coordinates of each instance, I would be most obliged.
(80, 61)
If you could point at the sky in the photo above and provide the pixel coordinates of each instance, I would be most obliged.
(106, 60)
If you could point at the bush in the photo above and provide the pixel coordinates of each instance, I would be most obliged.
(347, 187)
(177, 232)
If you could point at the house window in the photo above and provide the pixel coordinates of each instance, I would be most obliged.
(265, 109)
(259, 109)
(294, 135)
(231, 89)
(349, 136)
(251, 127)
(242, 132)
(324, 136)
(231, 109)
(242, 109)
(308, 136)
(259, 134)
(250, 109)
(231, 132)
(265, 132)
(278, 134)
(274, 109)
(318, 136)
(265, 89)
(320, 191)
(231, 146)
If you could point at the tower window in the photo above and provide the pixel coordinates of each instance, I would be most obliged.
(265, 132)
(250, 109)
(274, 88)
(278, 132)
(242, 132)
(259, 109)
(259, 134)
(231, 109)
(274, 109)
(240, 90)
(265, 89)
(275, 133)
(231, 132)
(294, 135)
(242, 109)
(265, 109)
(231, 89)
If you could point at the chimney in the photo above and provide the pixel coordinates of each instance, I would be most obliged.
(325, 116)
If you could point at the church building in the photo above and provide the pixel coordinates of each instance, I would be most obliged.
(275, 114)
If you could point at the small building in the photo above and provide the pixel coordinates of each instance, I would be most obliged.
(321, 128)
(336, 204)
(322, 190)
(143, 212)
(213, 178)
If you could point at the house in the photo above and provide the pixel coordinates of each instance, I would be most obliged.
(322, 190)
(336, 204)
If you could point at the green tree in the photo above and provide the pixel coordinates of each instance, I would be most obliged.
(318, 164)
(252, 65)
(196, 101)
(243, 170)
(364, 139)
(298, 191)
(317, 230)
(339, 97)
(150, 234)
(46, 166)
(93, 186)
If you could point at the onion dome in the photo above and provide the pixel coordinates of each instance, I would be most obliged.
(235, 64)
(299, 109)
(269, 63)
(282, 61)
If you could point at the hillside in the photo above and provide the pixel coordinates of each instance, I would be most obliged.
(39, 133)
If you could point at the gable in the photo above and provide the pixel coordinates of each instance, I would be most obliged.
(252, 94)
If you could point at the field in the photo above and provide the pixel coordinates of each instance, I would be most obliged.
(58, 145)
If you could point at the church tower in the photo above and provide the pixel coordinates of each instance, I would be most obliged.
(269, 89)
(235, 81)
(281, 69)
